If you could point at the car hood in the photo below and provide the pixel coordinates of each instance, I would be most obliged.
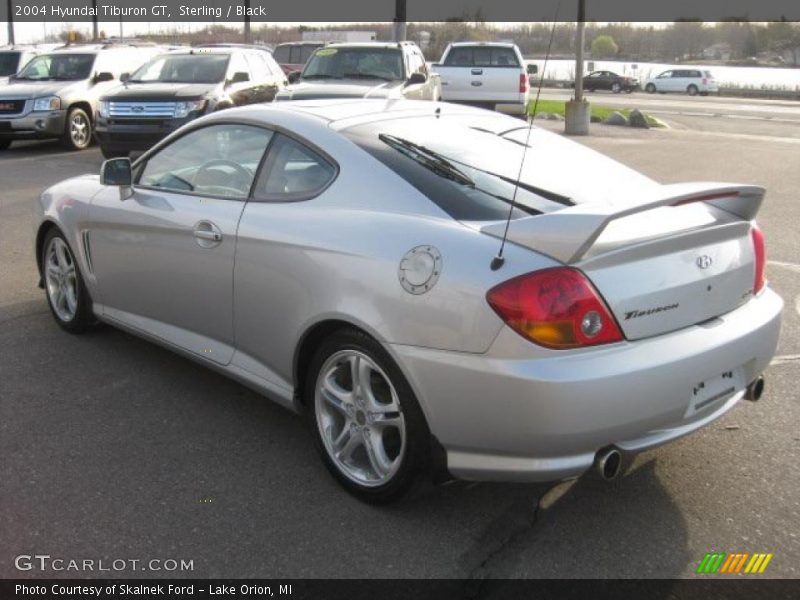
(16, 88)
(342, 88)
(159, 91)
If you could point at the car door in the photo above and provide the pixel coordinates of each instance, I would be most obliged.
(664, 82)
(163, 258)
(275, 259)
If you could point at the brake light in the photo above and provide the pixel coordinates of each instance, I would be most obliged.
(760, 251)
(523, 83)
(556, 308)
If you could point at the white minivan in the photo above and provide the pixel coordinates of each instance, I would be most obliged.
(688, 81)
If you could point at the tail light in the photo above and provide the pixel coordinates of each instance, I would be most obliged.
(523, 83)
(556, 308)
(760, 251)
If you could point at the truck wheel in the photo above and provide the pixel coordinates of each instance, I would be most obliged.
(616, 87)
(650, 88)
(77, 131)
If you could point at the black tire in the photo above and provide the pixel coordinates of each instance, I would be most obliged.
(77, 137)
(616, 88)
(415, 459)
(83, 318)
(5, 144)
(692, 90)
(108, 153)
(650, 88)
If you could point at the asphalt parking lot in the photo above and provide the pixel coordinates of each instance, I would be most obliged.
(114, 448)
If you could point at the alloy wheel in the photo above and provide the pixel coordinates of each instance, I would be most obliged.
(61, 278)
(360, 419)
(79, 129)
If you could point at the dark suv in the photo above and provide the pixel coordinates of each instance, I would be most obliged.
(174, 88)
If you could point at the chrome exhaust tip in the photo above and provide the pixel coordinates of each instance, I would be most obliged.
(608, 463)
(755, 389)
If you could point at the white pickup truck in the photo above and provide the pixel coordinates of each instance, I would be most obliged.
(489, 74)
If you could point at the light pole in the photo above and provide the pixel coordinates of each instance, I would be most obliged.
(10, 24)
(247, 37)
(577, 112)
(399, 22)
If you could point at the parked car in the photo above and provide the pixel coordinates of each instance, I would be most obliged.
(292, 56)
(338, 257)
(13, 58)
(608, 80)
(689, 81)
(55, 94)
(364, 70)
(487, 74)
(176, 87)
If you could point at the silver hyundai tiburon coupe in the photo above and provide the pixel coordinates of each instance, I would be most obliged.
(343, 258)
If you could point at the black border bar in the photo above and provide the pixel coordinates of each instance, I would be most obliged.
(266, 11)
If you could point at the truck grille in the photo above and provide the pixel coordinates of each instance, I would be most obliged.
(11, 107)
(145, 110)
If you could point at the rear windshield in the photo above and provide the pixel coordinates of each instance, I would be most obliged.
(183, 68)
(9, 62)
(468, 172)
(59, 67)
(481, 56)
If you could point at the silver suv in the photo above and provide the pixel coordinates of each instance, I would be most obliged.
(55, 94)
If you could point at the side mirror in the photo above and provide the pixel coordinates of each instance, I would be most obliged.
(103, 76)
(125, 77)
(117, 172)
(294, 76)
(416, 78)
(240, 77)
(532, 69)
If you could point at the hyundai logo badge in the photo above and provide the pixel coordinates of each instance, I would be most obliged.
(704, 261)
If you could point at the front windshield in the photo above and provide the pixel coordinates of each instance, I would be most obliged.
(60, 67)
(8, 63)
(183, 68)
(355, 63)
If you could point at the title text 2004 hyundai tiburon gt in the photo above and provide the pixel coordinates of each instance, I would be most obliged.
(341, 258)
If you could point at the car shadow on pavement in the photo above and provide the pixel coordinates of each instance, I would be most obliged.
(117, 443)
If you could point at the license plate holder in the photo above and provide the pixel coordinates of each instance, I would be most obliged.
(710, 391)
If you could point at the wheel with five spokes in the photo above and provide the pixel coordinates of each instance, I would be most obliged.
(367, 423)
(67, 296)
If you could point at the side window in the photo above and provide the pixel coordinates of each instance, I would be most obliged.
(281, 54)
(219, 160)
(292, 171)
(665, 74)
(306, 52)
(238, 65)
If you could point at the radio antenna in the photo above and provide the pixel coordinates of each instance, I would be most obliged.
(499, 260)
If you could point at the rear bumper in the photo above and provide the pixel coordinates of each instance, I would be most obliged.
(34, 125)
(519, 413)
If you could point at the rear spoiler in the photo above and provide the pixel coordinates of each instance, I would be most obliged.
(567, 235)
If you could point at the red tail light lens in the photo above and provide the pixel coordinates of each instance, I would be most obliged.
(760, 251)
(523, 83)
(556, 308)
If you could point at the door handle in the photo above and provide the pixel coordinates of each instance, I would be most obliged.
(477, 83)
(477, 71)
(212, 236)
(206, 234)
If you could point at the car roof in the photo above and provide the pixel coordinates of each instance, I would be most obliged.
(497, 44)
(200, 51)
(303, 43)
(338, 114)
(369, 44)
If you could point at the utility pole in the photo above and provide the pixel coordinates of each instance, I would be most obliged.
(10, 23)
(399, 22)
(577, 111)
(247, 36)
